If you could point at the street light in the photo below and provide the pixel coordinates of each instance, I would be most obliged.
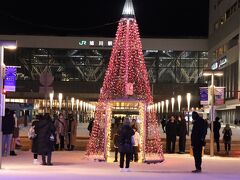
(7, 45)
(51, 99)
(60, 96)
(162, 106)
(179, 99)
(188, 108)
(167, 103)
(72, 102)
(212, 74)
(172, 101)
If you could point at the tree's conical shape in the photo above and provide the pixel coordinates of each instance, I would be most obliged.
(126, 79)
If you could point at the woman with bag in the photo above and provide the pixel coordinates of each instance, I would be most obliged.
(125, 145)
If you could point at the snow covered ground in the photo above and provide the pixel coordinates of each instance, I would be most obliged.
(74, 165)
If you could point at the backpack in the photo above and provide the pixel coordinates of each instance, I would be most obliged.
(227, 135)
(31, 132)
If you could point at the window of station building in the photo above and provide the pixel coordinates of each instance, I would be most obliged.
(222, 19)
(234, 7)
(228, 13)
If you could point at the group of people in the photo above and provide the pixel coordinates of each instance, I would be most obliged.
(175, 126)
(10, 132)
(227, 135)
(49, 134)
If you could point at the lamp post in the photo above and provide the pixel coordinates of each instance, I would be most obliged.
(179, 99)
(212, 74)
(167, 103)
(173, 102)
(7, 45)
(188, 108)
(51, 101)
(72, 102)
(60, 96)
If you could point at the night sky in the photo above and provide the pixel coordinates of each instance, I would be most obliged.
(156, 18)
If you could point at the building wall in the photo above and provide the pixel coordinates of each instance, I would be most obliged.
(224, 43)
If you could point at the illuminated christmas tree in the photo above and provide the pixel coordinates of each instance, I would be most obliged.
(126, 79)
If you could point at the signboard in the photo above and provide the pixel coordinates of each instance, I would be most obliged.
(129, 88)
(219, 95)
(203, 95)
(219, 63)
(10, 78)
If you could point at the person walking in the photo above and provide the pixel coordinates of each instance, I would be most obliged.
(171, 133)
(125, 145)
(227, 137)
(182, 132)
(46, 132)
(216, 128)
(199, 131)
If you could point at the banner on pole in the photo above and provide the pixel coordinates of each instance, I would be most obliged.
(206, 95)
(10, 78)
(203, 95)
(219, 95)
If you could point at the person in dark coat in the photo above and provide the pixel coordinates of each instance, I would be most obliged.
(199, 131)
(227, 137)
(163, 123)
(171, 133)
(8, 124)
(182, 132)
(216, 128)
(125, 144)
(90, 126)
(46, 131)
(34, 148)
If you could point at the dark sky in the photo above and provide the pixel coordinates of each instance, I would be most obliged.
(156, 18)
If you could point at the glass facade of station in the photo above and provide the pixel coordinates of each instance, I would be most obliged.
(87, 65)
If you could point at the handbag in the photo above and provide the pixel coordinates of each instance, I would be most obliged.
(51, 137)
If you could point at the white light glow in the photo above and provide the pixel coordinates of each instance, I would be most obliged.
(188, 100)
(173, 102)
(179, 99)
(60, 96)
(167, 103)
